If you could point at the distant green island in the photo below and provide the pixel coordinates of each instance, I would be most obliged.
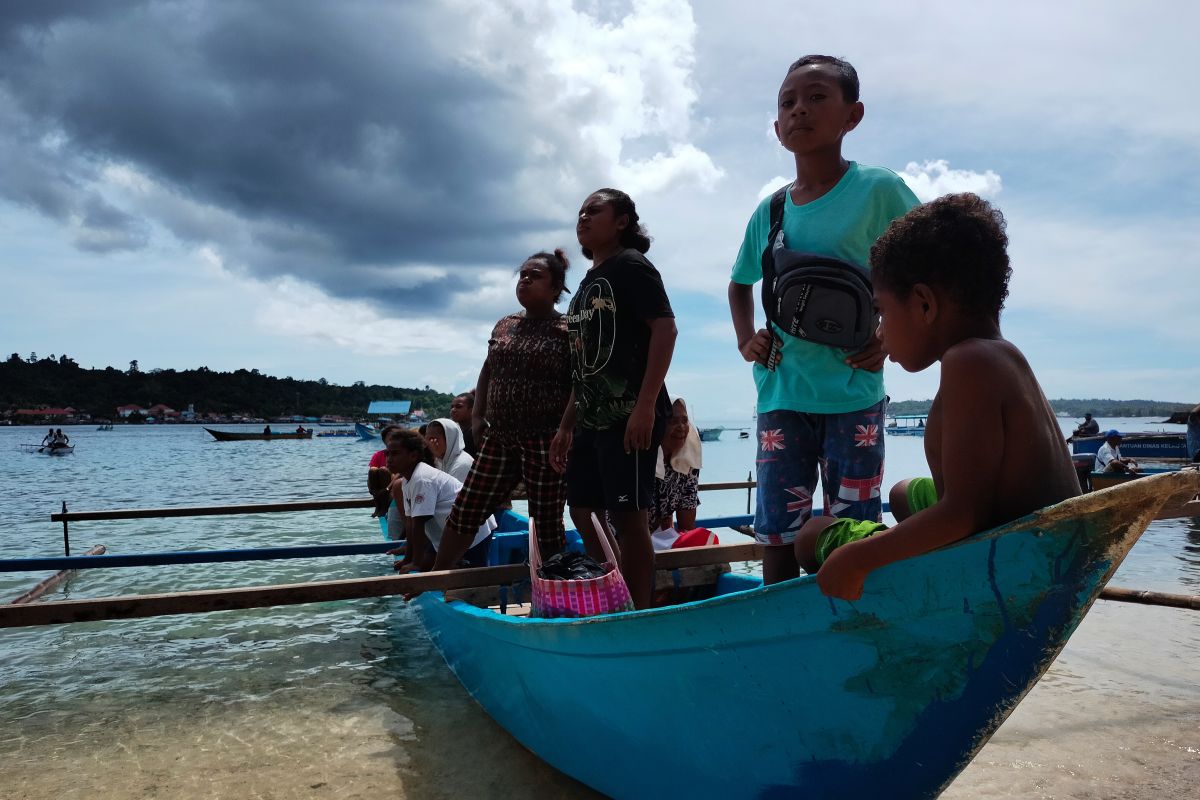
(58, 383)
(1074, 407)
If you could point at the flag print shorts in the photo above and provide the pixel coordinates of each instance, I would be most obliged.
(845, 450)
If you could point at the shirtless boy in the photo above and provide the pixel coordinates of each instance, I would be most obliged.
(995, 451)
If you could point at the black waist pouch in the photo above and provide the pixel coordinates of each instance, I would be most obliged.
(817, 298)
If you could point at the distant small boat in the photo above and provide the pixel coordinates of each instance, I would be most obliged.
(710, 434)
(49, 449)
(907, 425)
(343, 433)
(240, 436)
(105, 427)
(367, 433)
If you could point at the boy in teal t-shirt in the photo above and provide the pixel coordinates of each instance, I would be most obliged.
(822, 408)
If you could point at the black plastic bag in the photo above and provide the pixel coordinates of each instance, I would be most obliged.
(571, 566)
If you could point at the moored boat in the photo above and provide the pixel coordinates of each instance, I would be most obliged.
(368, 433)
(907, 425)
(1138, 445)
(710, 434)
(244, 436)
(1104, 480)
(889, 696)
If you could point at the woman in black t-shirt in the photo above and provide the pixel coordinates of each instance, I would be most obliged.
(622, 333)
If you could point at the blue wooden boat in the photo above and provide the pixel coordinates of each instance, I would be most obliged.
(367, 433)
(1138, 445)
(710, 434)
(780, 691)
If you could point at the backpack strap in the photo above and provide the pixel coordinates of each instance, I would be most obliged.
(778, 200)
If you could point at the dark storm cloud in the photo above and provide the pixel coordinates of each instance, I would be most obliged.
(342, 138)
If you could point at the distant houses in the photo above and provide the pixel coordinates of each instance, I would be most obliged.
(62, 415)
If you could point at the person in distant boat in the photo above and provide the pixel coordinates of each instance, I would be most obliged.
(60, 438)
(521, 395)
(300, 430)
(267, 431)
(426, 495)
(1089, 427)
(940, 275)
(48, 438)
(462, 409)
(1108, 457)
(678, 474)
(1193, 434)
(445, 440)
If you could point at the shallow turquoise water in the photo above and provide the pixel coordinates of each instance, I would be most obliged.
(349, 699)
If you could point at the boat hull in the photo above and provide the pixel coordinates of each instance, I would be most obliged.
(710, 434)
(239, 436)
(49, 450)
(779, 690)
(1138, 445)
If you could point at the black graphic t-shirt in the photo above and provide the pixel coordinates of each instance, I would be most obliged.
(610, 338)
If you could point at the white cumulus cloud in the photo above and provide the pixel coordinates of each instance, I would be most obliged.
(930, 180)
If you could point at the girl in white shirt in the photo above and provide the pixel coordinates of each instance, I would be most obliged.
(426, 494)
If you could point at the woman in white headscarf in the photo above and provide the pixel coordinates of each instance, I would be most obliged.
(445, 439)
(678, 474)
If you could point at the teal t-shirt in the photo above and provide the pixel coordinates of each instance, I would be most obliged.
(844, 223)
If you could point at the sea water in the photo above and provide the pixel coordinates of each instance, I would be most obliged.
(349, 699)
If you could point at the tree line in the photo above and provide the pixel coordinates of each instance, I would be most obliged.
(59, 382)
(1074, 407)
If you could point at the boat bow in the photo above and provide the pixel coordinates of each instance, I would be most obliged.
(777, 690)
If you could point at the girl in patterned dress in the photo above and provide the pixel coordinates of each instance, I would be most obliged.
(520, 398)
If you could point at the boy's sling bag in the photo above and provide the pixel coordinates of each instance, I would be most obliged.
(817, 298)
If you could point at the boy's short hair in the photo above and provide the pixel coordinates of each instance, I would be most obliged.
(846, 74)
(956, 243)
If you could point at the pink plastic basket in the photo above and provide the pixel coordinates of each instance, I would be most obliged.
(585, 598)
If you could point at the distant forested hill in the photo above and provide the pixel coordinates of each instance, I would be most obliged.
(1074, 407)
(60, 382)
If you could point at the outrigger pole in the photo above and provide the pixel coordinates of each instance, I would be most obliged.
(135, 606)
(154, 605)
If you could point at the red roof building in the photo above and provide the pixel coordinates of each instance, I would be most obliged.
(45, 412)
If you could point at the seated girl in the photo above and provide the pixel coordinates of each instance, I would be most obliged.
(378, 481)
(426, 495)
(446, 441)
(678, 473)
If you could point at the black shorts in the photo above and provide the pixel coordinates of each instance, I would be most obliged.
(600, 474)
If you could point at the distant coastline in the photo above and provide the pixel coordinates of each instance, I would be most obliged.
(59, 384)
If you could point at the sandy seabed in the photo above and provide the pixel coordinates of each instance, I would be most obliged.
(1117, 716)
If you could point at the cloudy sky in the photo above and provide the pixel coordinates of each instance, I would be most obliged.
(344, 190)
